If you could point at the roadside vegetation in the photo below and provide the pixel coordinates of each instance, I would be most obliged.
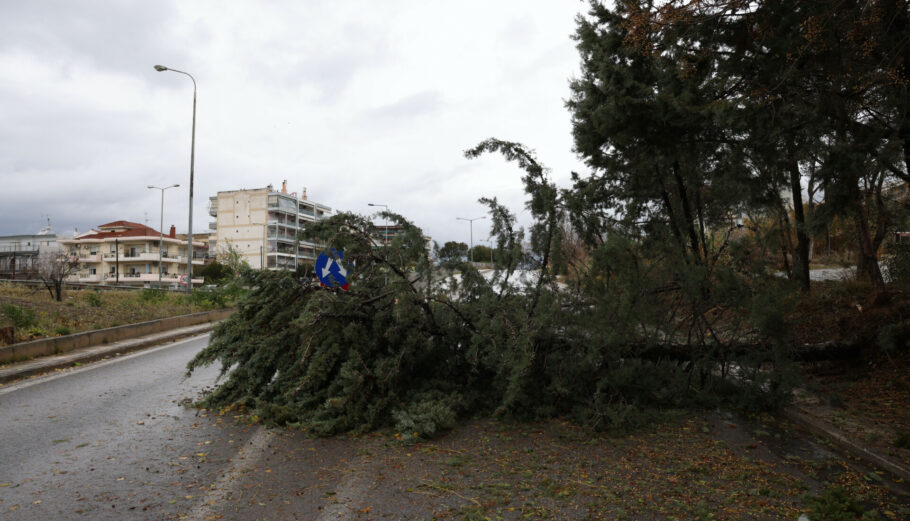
(29, 313)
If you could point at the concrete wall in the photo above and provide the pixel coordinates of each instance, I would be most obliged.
(65, 344)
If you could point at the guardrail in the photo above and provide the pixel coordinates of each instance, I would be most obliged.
(65, 344)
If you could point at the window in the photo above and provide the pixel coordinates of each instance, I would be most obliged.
(92, 271)
(113, 270)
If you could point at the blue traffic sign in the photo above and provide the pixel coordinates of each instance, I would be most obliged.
(331, 270)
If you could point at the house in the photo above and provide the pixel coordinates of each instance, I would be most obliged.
(19, 253)
(127, 253)
(263, 226)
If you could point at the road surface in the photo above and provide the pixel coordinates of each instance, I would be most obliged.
(112, 440)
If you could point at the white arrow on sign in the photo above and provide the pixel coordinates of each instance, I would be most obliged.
(326, 271)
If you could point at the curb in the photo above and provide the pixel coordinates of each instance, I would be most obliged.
(839, 440)
(45, 364)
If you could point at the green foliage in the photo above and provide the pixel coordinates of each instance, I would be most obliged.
(414, 346)
(452, 252)
(152, 295)
(62, 331)
(94, 299)
(22, 318)
(835, 505)
(897, 263)
(215, 272)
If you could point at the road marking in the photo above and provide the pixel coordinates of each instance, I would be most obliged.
(90, 366)
(243, 462)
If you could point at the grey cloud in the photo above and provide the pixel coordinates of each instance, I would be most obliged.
(118, 35)
(411, 106)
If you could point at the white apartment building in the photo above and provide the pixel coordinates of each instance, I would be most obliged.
(127, 253)
(19, 253)
(262, 225)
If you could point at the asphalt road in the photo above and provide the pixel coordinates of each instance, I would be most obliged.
(112, 440)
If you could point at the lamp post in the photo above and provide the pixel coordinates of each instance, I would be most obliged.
(490, 243)
(161, 227)
(189, 235)
(386, 240)
(471, 221)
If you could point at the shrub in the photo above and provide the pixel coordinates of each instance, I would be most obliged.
(94, 299)
(62, 331)
(152, 295)
(22, 318)
(897, 264)
(836, 505)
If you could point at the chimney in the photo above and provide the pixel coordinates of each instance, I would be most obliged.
(173, 233)
(303, 194)
(284, 186)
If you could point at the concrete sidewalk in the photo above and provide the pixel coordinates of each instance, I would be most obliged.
(17, 370)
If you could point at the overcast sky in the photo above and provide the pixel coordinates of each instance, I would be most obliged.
(358, 101)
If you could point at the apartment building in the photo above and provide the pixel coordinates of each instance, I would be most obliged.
(127, 253)
(19, 253)
(263, 224)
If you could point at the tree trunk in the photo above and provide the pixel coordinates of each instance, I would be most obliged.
(801, 255)
(867, 256)
(687, 212)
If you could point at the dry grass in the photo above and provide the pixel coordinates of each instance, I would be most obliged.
(38, 315)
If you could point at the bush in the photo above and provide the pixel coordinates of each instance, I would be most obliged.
(22, 318)
(94, 299)
(62, 331)
(836, 505)
(897, 263)
(153, 295)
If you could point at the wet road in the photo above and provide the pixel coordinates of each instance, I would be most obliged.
(111, 440)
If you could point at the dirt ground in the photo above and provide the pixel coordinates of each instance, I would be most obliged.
(709, 465)
(867, 400)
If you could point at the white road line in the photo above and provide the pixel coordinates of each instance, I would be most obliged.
(93, 365)
(244, 461)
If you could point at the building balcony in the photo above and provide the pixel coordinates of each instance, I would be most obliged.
(213, 225)
(167, 278)
(89, 258)
(135, 257)
(87, 279)
(213, 206)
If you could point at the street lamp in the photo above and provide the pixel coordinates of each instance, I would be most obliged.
(161, 227)
(189, 235)
(471, 221)
(490, 242)
(386, 241)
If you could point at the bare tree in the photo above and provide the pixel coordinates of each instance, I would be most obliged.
(54, 266)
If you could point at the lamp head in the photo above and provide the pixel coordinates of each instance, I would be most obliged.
(160, 68)
(150, 186)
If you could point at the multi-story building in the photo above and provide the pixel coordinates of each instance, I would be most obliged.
(127, 253)
(19, 253)
(263, 226)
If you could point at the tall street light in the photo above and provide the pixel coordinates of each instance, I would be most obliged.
(161, 227)
(490, 243)
(189, 235)
(471, 221)
(386, 241)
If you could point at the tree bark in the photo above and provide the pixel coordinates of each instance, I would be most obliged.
(801, 255)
